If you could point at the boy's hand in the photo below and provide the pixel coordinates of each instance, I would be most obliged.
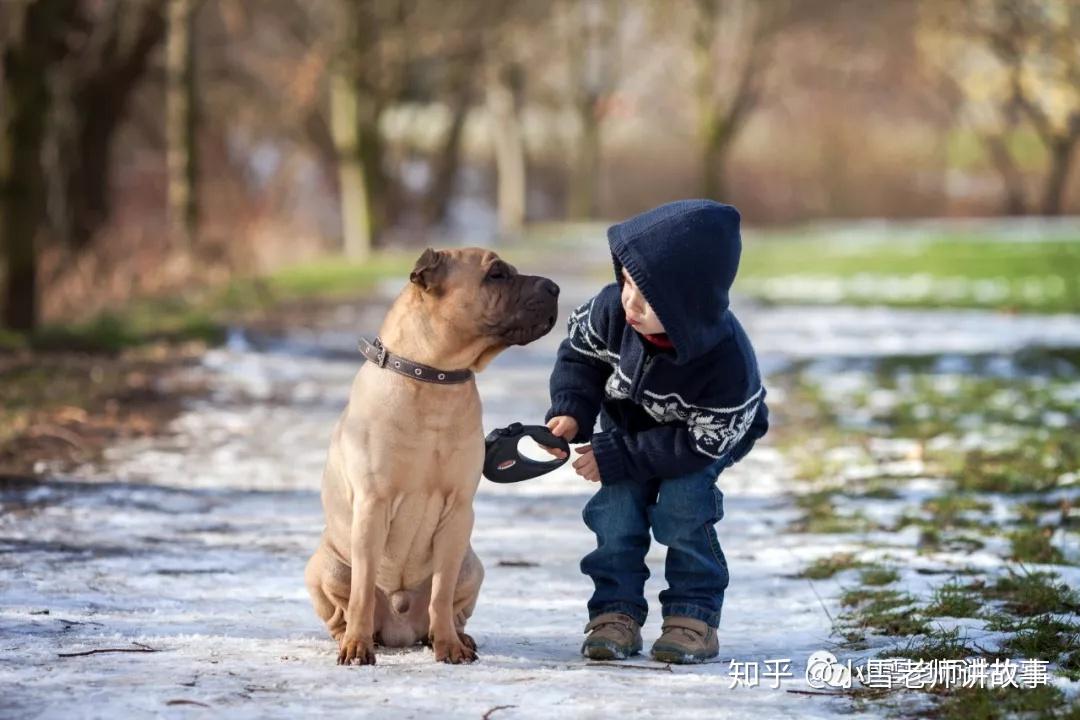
(586, 464)
(564, 427)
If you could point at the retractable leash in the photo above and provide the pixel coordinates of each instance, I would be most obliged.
(504, 464)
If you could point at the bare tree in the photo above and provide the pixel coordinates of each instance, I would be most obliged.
(505, 92)
(103, 76)
(732, 43)
(70, 69)
(1016, 65)
(591, 30)
(354, 122)
(459, 91)
(181, 113)
(30, 58)
(1043, 39)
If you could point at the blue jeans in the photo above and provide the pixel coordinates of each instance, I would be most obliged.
(681, 512)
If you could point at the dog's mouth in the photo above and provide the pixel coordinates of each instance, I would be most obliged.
(525, 334)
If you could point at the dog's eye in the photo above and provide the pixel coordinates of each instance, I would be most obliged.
(498, 273)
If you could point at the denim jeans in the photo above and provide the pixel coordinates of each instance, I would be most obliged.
(681, 512)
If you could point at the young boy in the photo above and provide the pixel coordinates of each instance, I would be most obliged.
(662, 359)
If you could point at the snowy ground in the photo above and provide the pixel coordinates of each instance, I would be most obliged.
(194, 546)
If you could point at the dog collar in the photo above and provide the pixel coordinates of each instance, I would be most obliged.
(377, 353)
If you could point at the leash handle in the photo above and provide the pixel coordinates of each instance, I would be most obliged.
(504, 464)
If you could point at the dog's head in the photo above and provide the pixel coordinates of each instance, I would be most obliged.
(484, 299)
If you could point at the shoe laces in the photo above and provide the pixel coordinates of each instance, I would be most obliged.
(687, 634)
(623, 624)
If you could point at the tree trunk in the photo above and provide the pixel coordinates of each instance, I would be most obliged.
(713, 158)
(356, 220)
(708, 114)
(22, 192)
(750, 27)
(503, 100)
(1011, 179)
(593, 62)
(584, 172)
(1061, 155)
(24, 110)
(586, 175)
(181, 122)
(356, 105)
(446, 162)
(445, 165)
(107, 88)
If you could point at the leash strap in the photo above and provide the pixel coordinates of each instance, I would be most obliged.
(504, 464)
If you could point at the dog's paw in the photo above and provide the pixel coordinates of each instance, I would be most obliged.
(455, 651)
(356, 651)
(467, 641)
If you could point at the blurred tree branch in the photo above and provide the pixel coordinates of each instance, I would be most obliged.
(181, 121)
(103, 77)
(732, 44)
(1014, 60)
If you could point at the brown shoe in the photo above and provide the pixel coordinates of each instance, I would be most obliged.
(612, 636)
(685, 640)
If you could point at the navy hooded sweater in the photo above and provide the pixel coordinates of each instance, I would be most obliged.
(664, 413)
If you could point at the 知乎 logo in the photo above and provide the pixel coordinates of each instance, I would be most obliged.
(824, 671)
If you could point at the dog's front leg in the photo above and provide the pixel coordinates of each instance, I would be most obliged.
(367, 539)
(451, 542)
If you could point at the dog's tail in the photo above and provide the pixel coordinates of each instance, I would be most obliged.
(399, 601)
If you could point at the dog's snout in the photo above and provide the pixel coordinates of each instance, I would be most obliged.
(549, 287)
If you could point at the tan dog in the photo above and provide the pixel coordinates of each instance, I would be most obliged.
(395, 565)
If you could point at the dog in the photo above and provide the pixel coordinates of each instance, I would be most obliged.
(395, 566)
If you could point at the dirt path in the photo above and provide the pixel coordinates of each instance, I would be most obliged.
(193, 547)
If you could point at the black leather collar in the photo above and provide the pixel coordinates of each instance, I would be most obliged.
(377, 353)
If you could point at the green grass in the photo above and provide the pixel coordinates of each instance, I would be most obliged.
(884, 612)
(952, 510)
(935, 645)
(1028, 593)
(1043, 638)
(826, 567)
(1029, 468)
(878, 575)
(1032, 544)
(998, 449)
(955, 600)
(935, 269)
(820, 515)
(140, 323)
(1045, 701)
(333, 278)
(1070, 665)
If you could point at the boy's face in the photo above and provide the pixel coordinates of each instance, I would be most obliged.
(638, 313)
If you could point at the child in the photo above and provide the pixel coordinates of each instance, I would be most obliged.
(662, 359)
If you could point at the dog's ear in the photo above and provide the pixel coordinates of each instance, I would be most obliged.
(429, 269)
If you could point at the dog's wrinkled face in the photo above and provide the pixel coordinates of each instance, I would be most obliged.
(485, 298)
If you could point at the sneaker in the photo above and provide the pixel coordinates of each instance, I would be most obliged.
(612, 636)
(685, 640)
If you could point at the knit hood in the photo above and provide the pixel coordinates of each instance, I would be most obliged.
(683, 256)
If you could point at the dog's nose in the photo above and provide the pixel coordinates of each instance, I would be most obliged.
(549, 286)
